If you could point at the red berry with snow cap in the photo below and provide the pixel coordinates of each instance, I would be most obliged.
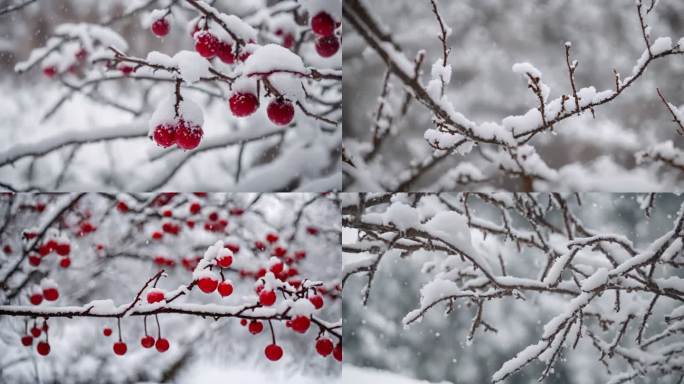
(317, 301)
(224, 51)
(327, 46)
(225, 288)
(35, 331)
(36, 298)
(164, 135)
(267, 297)
(161, 27)
(155, 296)
(243, 104)
(280, 111)
(51, 294)
(63, 249)
(206, 44)
(323, 24)
(224, 261)
(188, 135)
(207, 284)
(50, 71)
(34, 260)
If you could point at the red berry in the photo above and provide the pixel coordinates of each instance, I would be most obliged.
(44, 250)
(243, 322)
(65, 262)
(288, 41)
(195, 208)
(188, 135)
(225, 261)
(147, 342)
(277, 268)
(279, 251)
(162, 345)
(213, 216)
(324, 346)
(280, 111)
(255, 327)
(7, 249)
(299, 255)
(161, 27)
(120, 348)
(267, 298)
(26, 341)
(259, 245)
(301, 324)
(122, 207)
(50, 71)
(155, 296)
(51, 294)
(272, 237)
(327, 46)
(207, 284)
(43, 348)
(224, 51)
(164, 135)
(206, 44)
(235, 248)
(167, 213)
(243, 104)
(323, 24)
(225, 289)
(317, 301)
(156, 235)
(126, 69)
(107, 331)
(63, 249)
(273, 352)
(81, 55)
(35, 331)
(36, 299)
(337, 352)
(34, 260)
(312, 231)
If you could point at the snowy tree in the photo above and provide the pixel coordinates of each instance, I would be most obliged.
(216, 96)
(533, 96)
(162, 287)
(567, 288)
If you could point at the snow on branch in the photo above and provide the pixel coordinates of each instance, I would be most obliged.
(499, 143)
(487, 248)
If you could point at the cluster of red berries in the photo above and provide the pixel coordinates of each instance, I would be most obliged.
(215, 223)
(50, 71)
(43, 347)
(185, 134)
(49, 292)
(209, 46)
(85, 228)
(280, 110)
(47, 248)
(120, 348)
(323, 26)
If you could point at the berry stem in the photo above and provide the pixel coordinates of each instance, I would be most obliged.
(118, 325)
(270, 325)
(179, 97)
(145, 324)
(156, 317)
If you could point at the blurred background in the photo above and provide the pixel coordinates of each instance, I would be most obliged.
(436, 348)
(30, 112)
(489, 36)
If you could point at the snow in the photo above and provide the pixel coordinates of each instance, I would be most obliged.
(359, 375)
(524, 356)
(441, 72)
(661, 45)
(599, 278)
(402, 216)
(192, 66)
(271, 58)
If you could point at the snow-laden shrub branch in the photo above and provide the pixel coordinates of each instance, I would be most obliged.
(507, 148)
(275, 67)
(622, 299)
